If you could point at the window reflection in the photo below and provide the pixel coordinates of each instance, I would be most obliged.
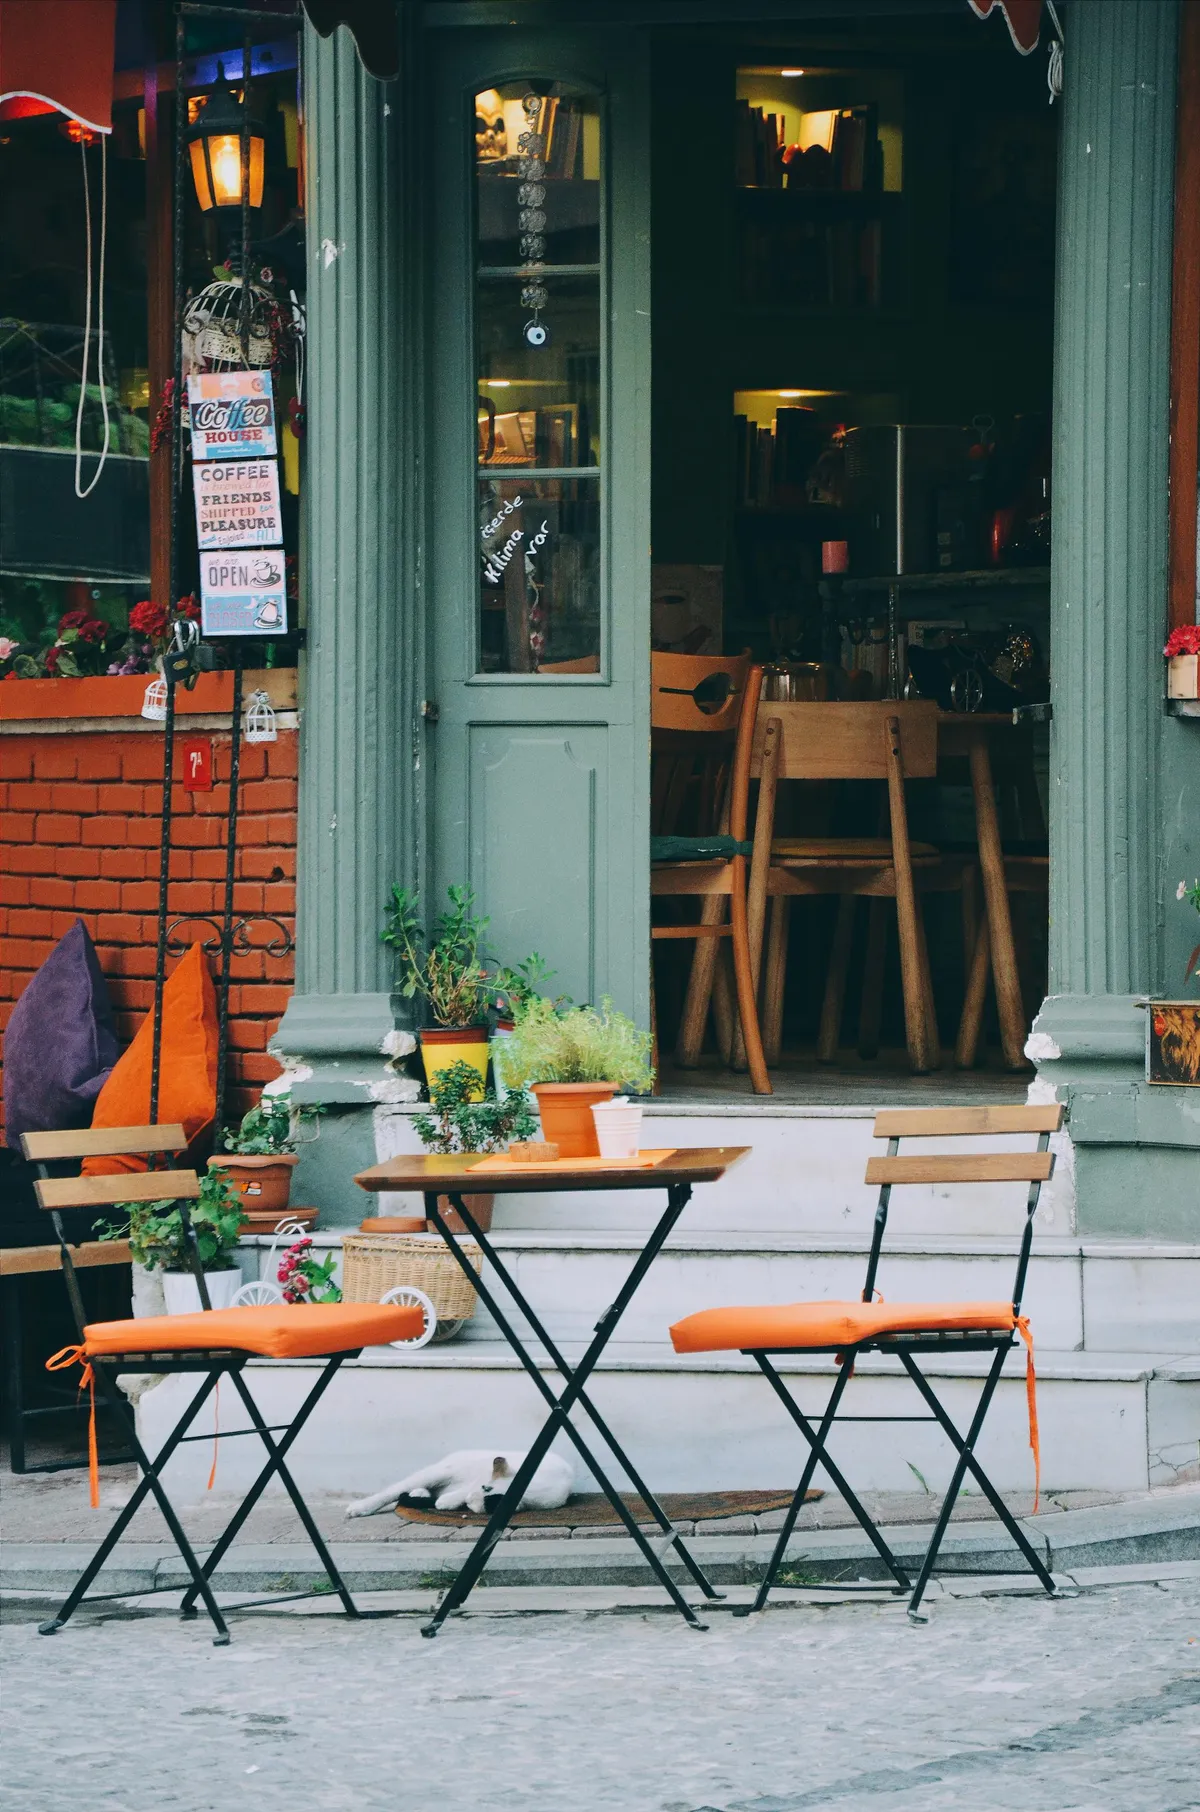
(538, 351)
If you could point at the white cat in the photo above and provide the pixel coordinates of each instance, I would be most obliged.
(465, 1479)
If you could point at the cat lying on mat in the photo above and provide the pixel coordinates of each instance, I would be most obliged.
(464, 1480)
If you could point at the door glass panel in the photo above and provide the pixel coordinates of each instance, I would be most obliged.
(538, 311)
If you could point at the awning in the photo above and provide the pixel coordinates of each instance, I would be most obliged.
(1023, 18)
(58, 59)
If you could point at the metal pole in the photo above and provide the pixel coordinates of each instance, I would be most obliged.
(235, 755)
(164, 861)
(244, 310)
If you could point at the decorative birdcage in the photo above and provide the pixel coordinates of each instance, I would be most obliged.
(212, 336)
(259, 722)
(154, 700)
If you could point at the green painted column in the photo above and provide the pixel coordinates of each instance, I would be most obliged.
(360, 681)
(1112, 369)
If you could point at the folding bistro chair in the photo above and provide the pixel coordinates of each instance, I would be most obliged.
(903, 1329)
(213, 1344)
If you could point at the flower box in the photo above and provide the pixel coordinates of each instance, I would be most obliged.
(121, 695)
(1183, 676)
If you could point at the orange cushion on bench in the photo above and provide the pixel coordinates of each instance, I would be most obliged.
(283, 1331)
(187, 1074)
(831, 1324)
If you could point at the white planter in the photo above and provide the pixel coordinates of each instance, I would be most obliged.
(618, 1127)
(183, 1295)
(1183, 676)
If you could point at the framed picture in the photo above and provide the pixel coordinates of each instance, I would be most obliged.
(1173, 1043)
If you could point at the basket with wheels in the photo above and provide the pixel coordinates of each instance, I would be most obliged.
(375, 1266)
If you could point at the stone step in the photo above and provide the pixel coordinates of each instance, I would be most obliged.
(804, 1173)
(1105, 1296)
(1108, 1421)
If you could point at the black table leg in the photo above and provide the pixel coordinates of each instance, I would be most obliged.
(575, 1380)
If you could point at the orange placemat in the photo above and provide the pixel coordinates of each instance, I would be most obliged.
(645, 1160)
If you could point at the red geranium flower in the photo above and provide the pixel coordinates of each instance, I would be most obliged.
(51, 660)
(147, 618)
(1184, 640)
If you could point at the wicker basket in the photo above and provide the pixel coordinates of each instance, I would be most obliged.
(373, 1263)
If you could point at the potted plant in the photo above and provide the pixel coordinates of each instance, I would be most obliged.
(1183, 661)
(447, 969)
(1173, 1031)
(572, 1059)
(258, 1159)
(305, 1278)
(461, 1121)
(157, 1241)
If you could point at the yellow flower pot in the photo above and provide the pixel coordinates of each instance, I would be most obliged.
(442, 1046)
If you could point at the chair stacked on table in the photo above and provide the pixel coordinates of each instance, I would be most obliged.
(212, 1345)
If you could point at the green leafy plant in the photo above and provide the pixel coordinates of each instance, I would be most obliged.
(583, 1044)
(459, 1123)
(446, 967)
(515, 988)
(1192, 896)
(155, 1229)
(268, 1130)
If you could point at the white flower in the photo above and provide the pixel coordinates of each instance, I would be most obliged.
(1181, 891)
(6, 647)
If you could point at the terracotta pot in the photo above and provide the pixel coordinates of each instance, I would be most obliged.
(264, 1183)
(478, 1206)
(443, 1045)
(566, 1112)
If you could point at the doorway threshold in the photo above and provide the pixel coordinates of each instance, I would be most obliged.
(850, 1085)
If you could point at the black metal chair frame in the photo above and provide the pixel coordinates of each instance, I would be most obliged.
(905, 1347)
(214, 1365)
(573, 1395)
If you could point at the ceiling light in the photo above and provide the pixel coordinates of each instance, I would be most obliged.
(791, 72)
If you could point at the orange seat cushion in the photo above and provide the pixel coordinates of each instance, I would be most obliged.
(831, 1324)
(282, 1331)
(188, 1072)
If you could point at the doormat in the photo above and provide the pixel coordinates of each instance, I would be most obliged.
(593, 1510)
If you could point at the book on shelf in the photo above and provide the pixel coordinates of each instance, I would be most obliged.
(758, 145)
(857, 154)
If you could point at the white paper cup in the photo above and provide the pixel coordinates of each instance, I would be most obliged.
(618, 1127)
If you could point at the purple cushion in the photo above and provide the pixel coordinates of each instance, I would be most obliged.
(60, 1044)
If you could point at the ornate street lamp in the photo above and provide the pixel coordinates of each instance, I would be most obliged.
(215, 146)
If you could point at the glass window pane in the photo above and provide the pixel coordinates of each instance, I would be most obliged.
(539, 546)
(539, 405)
(538, 313)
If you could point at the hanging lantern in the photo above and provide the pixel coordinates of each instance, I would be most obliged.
(215, 147)
(154, 700)
(259, 725)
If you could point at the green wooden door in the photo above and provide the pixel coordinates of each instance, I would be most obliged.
(538, 572)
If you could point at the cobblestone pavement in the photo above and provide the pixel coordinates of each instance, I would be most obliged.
(1085, 1705)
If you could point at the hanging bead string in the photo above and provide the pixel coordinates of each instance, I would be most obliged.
(531, 217)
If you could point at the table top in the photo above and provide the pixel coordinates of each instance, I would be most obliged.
(430, 1172)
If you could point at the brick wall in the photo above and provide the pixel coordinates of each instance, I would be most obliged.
(79, 838)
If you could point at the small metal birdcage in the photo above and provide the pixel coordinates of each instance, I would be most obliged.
(259, 723)
(212, 339)
(154, 700)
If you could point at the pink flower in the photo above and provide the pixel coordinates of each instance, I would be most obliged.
(6, 647)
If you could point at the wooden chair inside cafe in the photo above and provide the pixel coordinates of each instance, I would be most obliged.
(702, 715)
(884, 740)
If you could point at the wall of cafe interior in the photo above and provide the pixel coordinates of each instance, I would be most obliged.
(1122, 774)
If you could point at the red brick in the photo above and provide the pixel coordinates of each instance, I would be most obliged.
(58, 827)
(193, 896)
(208, 865)
(181, 865)
(283, 757)
(30, 795)
(28, 859)
(281, 829)
(73, 796)
(30, 921)
(142, 758)
(247, 1035)
(123, 864)
(142, 896)
(23, 953)
(117, 796)
(270, 796)
(197, 833)
(247, 897)
(98, 896)
(214, 804)
(268, 864)
(256, 1067)
(16, 827)
(58, 760)
(181, 802)
(144, 833)
(99, 757)
(61, 922)
(105, 832)
(124, 927)
(15, 890)
(16, 760)
(45, 890)
(127, 959)
(280, 898)
(261, 999)
(252, 831)
(76, 861)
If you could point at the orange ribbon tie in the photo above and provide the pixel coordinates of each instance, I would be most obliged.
(58, 1362)
(1026, 1333)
